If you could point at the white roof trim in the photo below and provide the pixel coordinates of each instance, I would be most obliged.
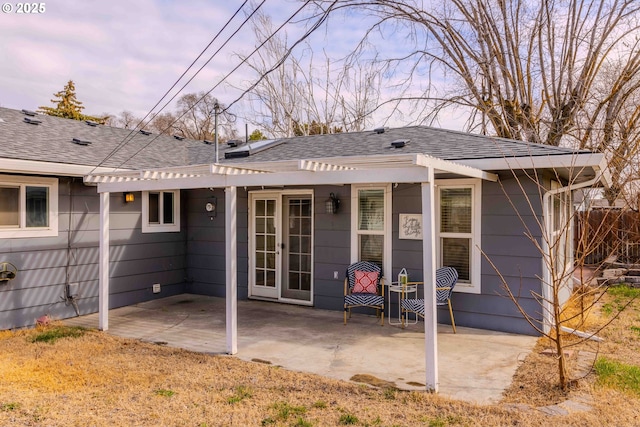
(49, 168)
(314, 166)
(569, 161)
(336, 170)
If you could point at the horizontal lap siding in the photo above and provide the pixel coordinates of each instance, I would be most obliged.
(503, 241)
(206, 262)
(332, 241)
(507, 221)
(137, 260)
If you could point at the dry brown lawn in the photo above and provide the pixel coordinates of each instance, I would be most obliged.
(99, 380)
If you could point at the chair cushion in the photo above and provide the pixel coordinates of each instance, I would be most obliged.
(366, 282)
(414, 305)
(364, 299)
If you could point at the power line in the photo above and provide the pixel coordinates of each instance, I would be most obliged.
(128, 138)
(322, 19)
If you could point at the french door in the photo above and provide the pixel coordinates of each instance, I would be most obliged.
(281, 246)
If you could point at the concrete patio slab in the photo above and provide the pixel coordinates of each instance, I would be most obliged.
(474, 365)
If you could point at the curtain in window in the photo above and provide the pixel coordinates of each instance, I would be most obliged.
(9, 206)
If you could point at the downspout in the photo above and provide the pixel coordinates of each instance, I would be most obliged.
(546, 272)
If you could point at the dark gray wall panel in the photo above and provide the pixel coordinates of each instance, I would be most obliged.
(43, 263)
(206, 259)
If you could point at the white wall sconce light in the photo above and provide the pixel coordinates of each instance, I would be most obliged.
(211, 207)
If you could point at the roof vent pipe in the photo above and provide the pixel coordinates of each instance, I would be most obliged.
(379, 130)
(399, 143)
(32, 121)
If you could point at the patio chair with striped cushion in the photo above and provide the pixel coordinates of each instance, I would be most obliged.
(446, 279)
(364, 287)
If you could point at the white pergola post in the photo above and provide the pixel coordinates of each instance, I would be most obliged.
(429, 274)
(103, 268)
(231, 256)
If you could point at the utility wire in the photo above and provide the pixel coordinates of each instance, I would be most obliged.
(129, 136)
(323, 18)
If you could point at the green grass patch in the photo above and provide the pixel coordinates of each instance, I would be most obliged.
(12, 406)
(618, 375)
(286, 410)
(348, 419)
(54, 333)
(301, 422)
(240, 394)
(624, 291)
(164, 392)
(320, 404)
(636, 329)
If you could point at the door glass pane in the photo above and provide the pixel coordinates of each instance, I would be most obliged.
(455, 210)
(294, 225)
(456, 254)
(271, 260)
(260, 228)
(9, 206)
(154, 208)
(294, 244)
(270, 225)
(271, 243)
(294, 262)
(260, 260)
(305, 262)
(271, 279)
(167, 207)
(260, 207)
(371, 209)
(305, 208)
(305, 244)
(305, 281)
(259, 278)
(271, 207)
(294, 281)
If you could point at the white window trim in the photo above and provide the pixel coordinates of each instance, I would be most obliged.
(22, 231)
(387, 225)
(161, 228)
(476, 213)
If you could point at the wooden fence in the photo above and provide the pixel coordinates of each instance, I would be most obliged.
(607, 234)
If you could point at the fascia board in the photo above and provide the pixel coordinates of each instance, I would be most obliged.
(568, 161)
(49, 168)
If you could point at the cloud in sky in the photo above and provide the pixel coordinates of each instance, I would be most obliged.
(124, 55)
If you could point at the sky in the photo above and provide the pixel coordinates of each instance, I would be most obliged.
(124, 55)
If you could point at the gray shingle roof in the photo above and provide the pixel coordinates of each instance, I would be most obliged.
(51, 141)
(440, 143)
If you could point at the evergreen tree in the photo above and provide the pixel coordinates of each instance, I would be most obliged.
(257, 135)
(68, 107)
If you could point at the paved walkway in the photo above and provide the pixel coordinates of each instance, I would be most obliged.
(474, 365)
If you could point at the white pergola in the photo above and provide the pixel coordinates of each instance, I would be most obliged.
(375, 169)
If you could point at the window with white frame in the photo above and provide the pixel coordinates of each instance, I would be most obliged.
(160, 211)
(28, 207)
(458, 231)
(371, 219)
